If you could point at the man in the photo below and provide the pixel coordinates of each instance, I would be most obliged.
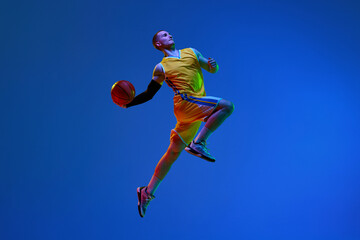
(181, 70)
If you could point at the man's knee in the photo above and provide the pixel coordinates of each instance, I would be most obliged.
(227, 106)
(172, 153)
(176, 145)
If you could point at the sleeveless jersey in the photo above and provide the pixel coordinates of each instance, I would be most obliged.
(183, 74)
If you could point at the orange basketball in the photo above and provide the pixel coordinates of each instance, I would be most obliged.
(122, 92)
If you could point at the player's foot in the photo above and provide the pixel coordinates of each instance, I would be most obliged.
(199, 149)
(144, 199)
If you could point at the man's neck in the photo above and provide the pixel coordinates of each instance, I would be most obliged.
(171, 52)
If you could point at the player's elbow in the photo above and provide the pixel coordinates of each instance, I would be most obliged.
(150, 96)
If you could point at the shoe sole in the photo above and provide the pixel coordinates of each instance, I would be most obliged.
(195, 153)
(138, 190)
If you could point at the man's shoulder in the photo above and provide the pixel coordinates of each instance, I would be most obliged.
(191, 51)
(159, 69)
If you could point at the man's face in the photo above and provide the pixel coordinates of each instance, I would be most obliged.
(165, 40)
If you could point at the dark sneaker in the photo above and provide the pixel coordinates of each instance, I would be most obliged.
(200, 150)
(144, 199)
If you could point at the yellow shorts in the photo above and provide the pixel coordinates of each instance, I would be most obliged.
(190, 112)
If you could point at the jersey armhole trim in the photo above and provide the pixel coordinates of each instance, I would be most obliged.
(195, 54)
(162, 69)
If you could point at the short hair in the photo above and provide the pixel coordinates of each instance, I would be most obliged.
(155, 38)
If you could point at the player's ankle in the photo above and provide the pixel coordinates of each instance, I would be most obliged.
(198, 141)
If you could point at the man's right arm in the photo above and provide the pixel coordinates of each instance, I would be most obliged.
(154, 86)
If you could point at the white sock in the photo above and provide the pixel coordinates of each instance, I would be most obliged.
(204, 134)
(153, 184)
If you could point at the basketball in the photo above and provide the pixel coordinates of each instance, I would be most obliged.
(122, 92)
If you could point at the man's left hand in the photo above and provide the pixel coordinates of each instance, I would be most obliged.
(212, 63)
(213, 67)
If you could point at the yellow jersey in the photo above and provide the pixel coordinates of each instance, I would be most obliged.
(183, 74)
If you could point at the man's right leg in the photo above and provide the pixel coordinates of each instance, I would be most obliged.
(146, 194)
(162, 168)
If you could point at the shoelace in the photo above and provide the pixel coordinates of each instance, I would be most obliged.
(148, 199)
(203, 144)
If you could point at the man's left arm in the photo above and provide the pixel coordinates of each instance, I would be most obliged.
(209, 64)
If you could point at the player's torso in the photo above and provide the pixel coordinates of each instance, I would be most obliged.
(183, 74)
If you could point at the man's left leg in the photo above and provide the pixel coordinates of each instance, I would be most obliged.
(198, 146)
(222, 112)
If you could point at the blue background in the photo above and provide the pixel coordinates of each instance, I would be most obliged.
(287, 159)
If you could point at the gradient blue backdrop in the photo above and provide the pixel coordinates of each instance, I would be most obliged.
(287, 159)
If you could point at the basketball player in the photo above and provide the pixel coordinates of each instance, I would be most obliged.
(181, 70)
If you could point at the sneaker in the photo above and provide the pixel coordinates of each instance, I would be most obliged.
(144, 199)
(200, 150)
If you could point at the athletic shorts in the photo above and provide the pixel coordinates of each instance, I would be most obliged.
(190, 112)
